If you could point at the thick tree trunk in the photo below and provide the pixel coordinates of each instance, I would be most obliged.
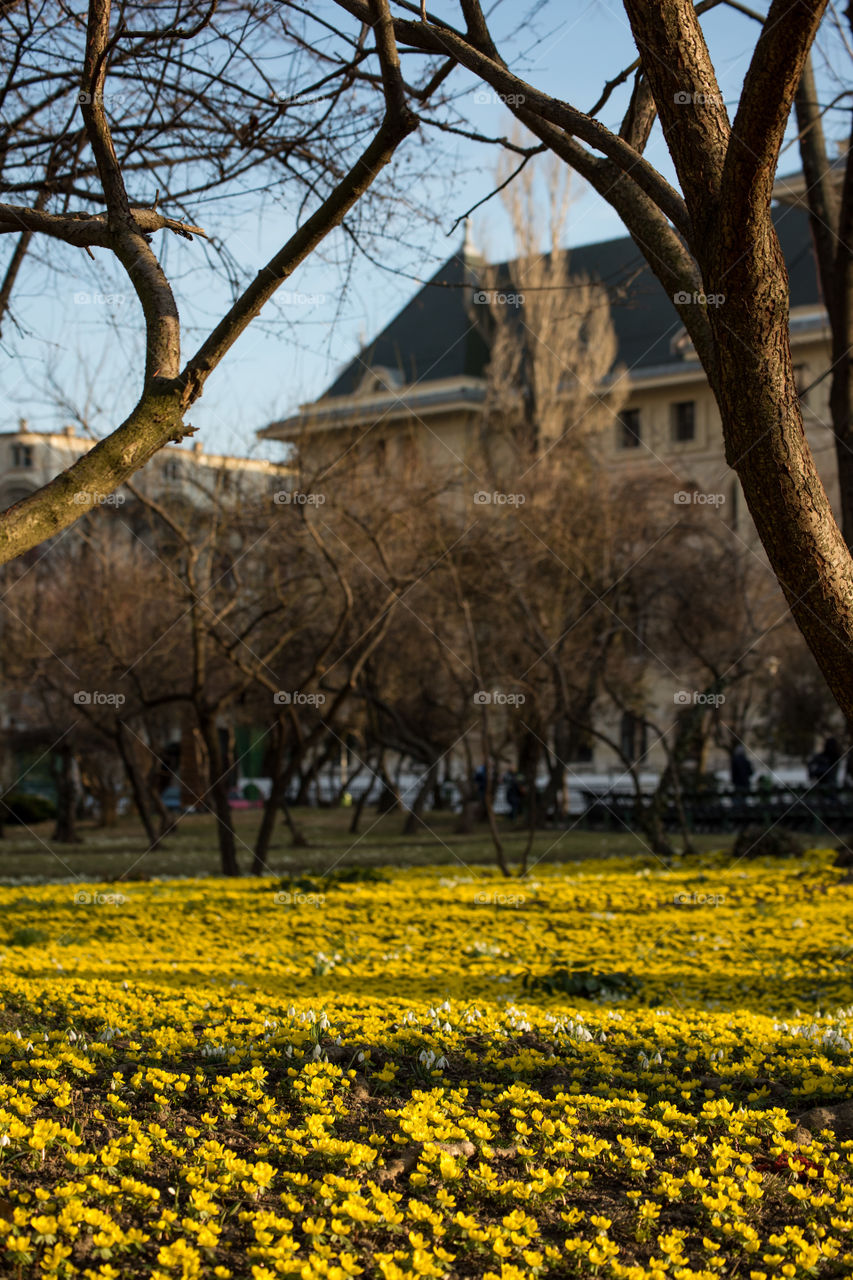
(766, 445)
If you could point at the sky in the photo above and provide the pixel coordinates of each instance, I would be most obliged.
(73, 353)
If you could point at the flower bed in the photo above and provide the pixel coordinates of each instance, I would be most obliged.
(593, 1072)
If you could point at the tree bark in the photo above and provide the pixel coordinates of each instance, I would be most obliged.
(218, 792)
(136, 786)
(65, 831)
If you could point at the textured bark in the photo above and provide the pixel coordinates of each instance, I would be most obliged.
(830, 218)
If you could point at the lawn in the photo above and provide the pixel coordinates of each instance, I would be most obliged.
(426, 1070)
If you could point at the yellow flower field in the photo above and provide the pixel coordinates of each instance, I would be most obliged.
(595, 1071)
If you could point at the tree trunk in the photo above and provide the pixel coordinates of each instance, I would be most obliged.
(298, 839)
(65, 831)
(108, 804)
(389, 799)
(136, 787)
(413, 817)
(766, 445)
(277, 799)
(218, 793)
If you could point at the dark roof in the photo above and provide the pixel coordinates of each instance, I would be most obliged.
(439, 334)
(432, 337)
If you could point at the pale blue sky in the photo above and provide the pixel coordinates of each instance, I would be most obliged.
(65, 359)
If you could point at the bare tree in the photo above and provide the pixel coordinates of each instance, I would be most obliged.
(97, 56)
(714, 238)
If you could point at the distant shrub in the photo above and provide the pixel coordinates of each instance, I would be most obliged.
(580, 979)
(27, 937)
(758, 842)
(21, 807)
(353, 874)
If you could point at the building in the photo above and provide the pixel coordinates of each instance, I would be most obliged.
(422, 382)
(29, 459)
(421, 386)
(187, 479)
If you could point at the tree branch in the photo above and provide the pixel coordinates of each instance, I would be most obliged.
(162, 324)
(399, 121)
(439, 38)
(87, 230)
(769, 88)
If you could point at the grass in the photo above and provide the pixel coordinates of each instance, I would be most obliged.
(122, 851)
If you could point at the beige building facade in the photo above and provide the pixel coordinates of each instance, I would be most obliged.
(420, 389)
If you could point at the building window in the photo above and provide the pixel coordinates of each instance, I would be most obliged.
(629, 429)
(22, 455)
(683, 421)
(171, 470)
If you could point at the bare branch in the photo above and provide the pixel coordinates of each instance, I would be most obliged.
(87, 229)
